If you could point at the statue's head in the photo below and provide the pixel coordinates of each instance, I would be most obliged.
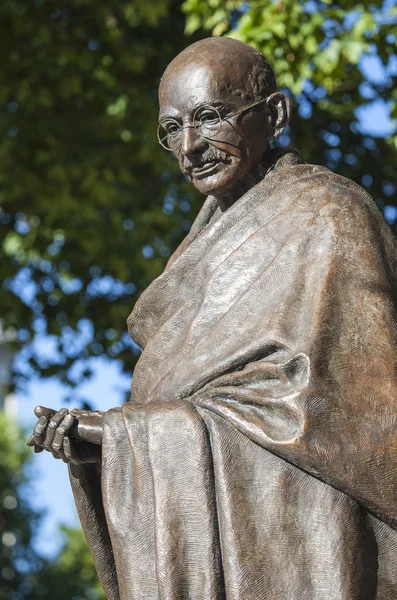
(219, 109)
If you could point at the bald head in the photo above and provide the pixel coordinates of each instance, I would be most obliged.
(238, 68)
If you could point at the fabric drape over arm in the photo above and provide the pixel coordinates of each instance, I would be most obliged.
(332, 409)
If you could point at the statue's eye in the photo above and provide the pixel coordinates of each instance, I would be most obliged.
(208, 116)
(171, 128)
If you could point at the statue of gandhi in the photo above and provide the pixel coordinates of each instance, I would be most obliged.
(257, 458)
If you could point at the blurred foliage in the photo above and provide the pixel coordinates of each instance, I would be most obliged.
(24, 574)
(71, 575)
(91, 206)
(17, 520)
(317, 40)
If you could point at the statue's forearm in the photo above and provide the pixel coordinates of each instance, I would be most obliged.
(88, 426)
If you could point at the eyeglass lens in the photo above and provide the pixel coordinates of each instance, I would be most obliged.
(207, 122)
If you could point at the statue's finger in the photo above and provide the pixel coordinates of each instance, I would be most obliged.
(61, 452)
(39, 430)
(30, 441)
(67, 448)
(38, 449)
(55, 421)
(39, 411)
(68, 451)
(42, 411)
(57, 444)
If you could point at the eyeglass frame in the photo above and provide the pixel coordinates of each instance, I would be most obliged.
(221, 120)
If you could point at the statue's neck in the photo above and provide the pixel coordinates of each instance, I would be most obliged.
(273, 160)
(257, 174)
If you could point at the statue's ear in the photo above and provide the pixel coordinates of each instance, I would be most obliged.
(279, 106)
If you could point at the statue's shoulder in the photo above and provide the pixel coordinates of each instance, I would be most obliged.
(326, 201)
(338, 204)
(342, 199)
(316, 186)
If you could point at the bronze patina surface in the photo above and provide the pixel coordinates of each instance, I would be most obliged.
(257, 458)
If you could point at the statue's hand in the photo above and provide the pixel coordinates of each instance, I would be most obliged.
(55, 431)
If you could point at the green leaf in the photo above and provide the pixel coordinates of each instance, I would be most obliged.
(193, 23)
(12, 244)
(328, 59)
(353, 50)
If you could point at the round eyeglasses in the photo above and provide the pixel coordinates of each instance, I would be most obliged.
(207, 123)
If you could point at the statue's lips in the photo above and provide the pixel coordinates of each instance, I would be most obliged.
(207, 169)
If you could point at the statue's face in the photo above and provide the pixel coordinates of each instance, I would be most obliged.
(215, 166)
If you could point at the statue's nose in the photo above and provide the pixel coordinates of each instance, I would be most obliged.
(191, 141)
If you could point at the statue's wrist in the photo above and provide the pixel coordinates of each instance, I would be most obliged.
(88, 427)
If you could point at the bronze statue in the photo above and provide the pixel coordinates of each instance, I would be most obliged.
(257, 459)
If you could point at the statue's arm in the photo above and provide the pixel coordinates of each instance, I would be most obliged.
(329, 405)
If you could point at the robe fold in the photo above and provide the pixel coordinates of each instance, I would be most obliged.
(257, 459)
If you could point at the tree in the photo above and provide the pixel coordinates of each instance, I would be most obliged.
(87, 195)
(91, 205)
(71, 574)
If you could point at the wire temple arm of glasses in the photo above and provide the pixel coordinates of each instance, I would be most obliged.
(244, 109)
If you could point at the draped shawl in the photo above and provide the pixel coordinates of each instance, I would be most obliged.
(257, 459)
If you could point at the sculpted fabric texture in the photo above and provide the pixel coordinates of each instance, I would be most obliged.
(257, 458)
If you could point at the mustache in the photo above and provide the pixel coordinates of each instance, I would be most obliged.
(197, 162)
